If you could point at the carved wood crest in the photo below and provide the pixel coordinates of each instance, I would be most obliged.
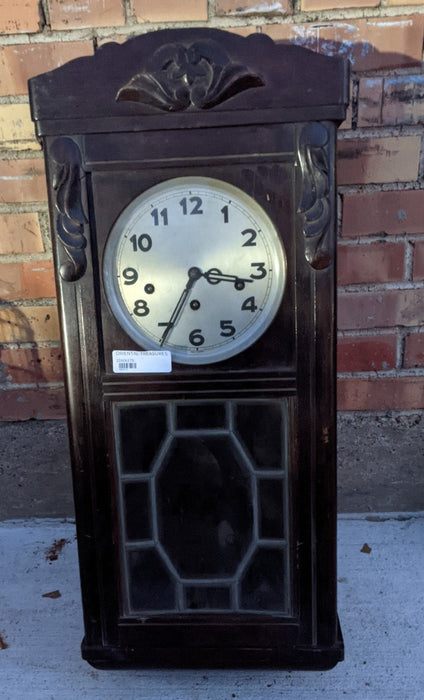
(198, 76)
(70, 217)
(315, 193)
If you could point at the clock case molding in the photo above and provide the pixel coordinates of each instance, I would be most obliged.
(262, 116)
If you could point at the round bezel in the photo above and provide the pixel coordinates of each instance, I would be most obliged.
(204, 243)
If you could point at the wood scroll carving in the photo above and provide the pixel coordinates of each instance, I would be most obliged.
(199, 76)
(314, 204)
(70, 217)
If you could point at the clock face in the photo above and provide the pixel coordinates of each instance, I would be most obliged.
(194, 266)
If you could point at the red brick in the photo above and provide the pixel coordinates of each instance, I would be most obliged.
(404, 2)
(308, 5)
(376, 394)
(18, 16)
(81, 13)
(27, 280)
(403, 100)
(22, 180)
(32, 366)
(347, 124)
(418, 268)
(365, 353)
(249, 7)
(375, 262)
(370, 101)
(24, 404)
(170, 11)
(385, 309)
(378, 160)
(20, 233)
(28, 324)
(369, 44)
(20, 62)
(391, 212)
(414, 350)
(16, 128)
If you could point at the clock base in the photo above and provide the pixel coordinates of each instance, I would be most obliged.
(302, 657)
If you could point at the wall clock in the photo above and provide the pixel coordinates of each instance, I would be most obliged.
(192, 203)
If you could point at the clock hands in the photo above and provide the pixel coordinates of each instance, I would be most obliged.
(193, 275)
(214, 276)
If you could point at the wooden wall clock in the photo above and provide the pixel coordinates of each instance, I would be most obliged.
(191, 185)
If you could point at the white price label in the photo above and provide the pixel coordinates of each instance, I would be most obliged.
(141, 361)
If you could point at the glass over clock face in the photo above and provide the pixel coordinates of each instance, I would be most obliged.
(195, 266)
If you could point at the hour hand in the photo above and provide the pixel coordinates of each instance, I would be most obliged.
(214, 276)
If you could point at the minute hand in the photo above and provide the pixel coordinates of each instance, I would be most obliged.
(193, 275)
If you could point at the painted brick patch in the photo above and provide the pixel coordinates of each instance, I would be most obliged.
(16, 128)
(248, 7)
(70, 14)
(391, 101)
(169, 10)
(22, 180)
(369, 44)
(370, 101)
(19, 62)
(20, 233)
(27, 280)
(308, 5)
(378, 160)
(403, 100)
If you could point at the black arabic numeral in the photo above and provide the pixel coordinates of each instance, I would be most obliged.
(196, 338)
(249, 305)
(261, 270)
(141, 308)
(197, 209)
(227, 329)
(157, 215)
(251, 240)
(143, 242)
(224, 211)
(130, 275)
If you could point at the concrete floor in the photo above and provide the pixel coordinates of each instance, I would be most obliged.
(381, 606)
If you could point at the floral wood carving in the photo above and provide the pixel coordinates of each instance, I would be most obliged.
(315, 195)
(198, 76)
(70, 217)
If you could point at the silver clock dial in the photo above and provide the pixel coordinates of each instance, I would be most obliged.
(194, 266)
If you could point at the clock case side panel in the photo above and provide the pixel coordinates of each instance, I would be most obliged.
(73, 249)
(316, 507)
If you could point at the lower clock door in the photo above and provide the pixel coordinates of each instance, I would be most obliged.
(204, 507)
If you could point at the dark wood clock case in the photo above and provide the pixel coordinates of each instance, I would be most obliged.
(205, 498)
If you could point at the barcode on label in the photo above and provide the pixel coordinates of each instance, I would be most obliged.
(127, 365)
(141, 361)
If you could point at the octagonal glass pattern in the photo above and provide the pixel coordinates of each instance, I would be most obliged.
(203, 502)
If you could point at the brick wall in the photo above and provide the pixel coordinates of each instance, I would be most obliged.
(380, 174)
